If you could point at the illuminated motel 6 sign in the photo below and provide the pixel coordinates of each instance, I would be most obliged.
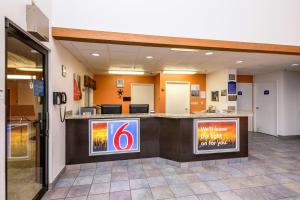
(113, 136)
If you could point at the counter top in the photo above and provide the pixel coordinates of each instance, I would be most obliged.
(161, 115)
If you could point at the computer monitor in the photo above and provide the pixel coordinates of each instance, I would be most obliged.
(139, 108)
(111, 109)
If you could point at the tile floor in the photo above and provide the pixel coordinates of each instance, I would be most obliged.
(272, 172)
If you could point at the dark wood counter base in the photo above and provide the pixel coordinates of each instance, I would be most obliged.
(169, 138)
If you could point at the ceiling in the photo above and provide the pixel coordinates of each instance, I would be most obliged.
(127, 57)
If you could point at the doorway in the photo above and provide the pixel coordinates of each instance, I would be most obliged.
(177, 97)
(265, 108)
(26, 115)
(143, 94)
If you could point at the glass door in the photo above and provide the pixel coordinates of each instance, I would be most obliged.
(26, 108)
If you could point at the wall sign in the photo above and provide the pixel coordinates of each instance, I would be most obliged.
(216, 135)
(114, 136)
(231, 87)
(38, 88)
(266, 92)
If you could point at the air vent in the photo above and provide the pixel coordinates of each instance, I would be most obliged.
(37, 23)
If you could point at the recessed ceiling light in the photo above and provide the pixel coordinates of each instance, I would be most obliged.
(149, 57)
(295, 64)
(178, 72)
(185, 50)
(239, 62)
(126, 72)
(20, 77)
(30, 69)
(209, 53)
(95, 54)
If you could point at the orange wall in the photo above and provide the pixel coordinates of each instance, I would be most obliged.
(106, 92)
(244, 78)
(193, 79)
(157, 93)
(106, 89)
(13, 87)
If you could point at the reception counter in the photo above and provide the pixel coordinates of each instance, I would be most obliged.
(177, 137)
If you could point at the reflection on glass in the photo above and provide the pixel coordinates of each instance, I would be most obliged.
(25, 93)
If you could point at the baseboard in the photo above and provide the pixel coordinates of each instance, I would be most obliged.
(289, 136)
(52, 185)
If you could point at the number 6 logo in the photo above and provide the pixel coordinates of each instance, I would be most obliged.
(118, 135)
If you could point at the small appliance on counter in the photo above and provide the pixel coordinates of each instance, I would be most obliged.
(212, 109)
(88, 110)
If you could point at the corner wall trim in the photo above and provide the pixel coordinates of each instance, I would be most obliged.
(94, 36)
(52, 185)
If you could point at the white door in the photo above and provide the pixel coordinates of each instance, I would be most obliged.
(265, 107)
(142, 94)
(177, 97)
(244, 101)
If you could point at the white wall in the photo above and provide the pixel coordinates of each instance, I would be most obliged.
(291, 104)
(278, 78)
(16, 11)
(217, 81)
(59, 56)
(288, 94)
(265, 21)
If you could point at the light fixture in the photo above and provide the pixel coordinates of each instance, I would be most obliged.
(184, 50)
(30, 69)
(295, 64)
(209, 53)
(149, 57)
(239, 62)
(20, 77)
(95, 54)
(178, 72)
(126, 72)
(33, 51)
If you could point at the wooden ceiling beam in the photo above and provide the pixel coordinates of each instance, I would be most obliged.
(165, 41)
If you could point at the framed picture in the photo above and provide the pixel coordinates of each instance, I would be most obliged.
(215, 96)
(120, 83)
(232, 97)
(77, 87)
(19, 146)
(231, 77)
(224, 92)
(195, 90)
(216, 135)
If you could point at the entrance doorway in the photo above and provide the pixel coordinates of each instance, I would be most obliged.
(142, 94)
(26, 115)
(177, 97)
(265, 108)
